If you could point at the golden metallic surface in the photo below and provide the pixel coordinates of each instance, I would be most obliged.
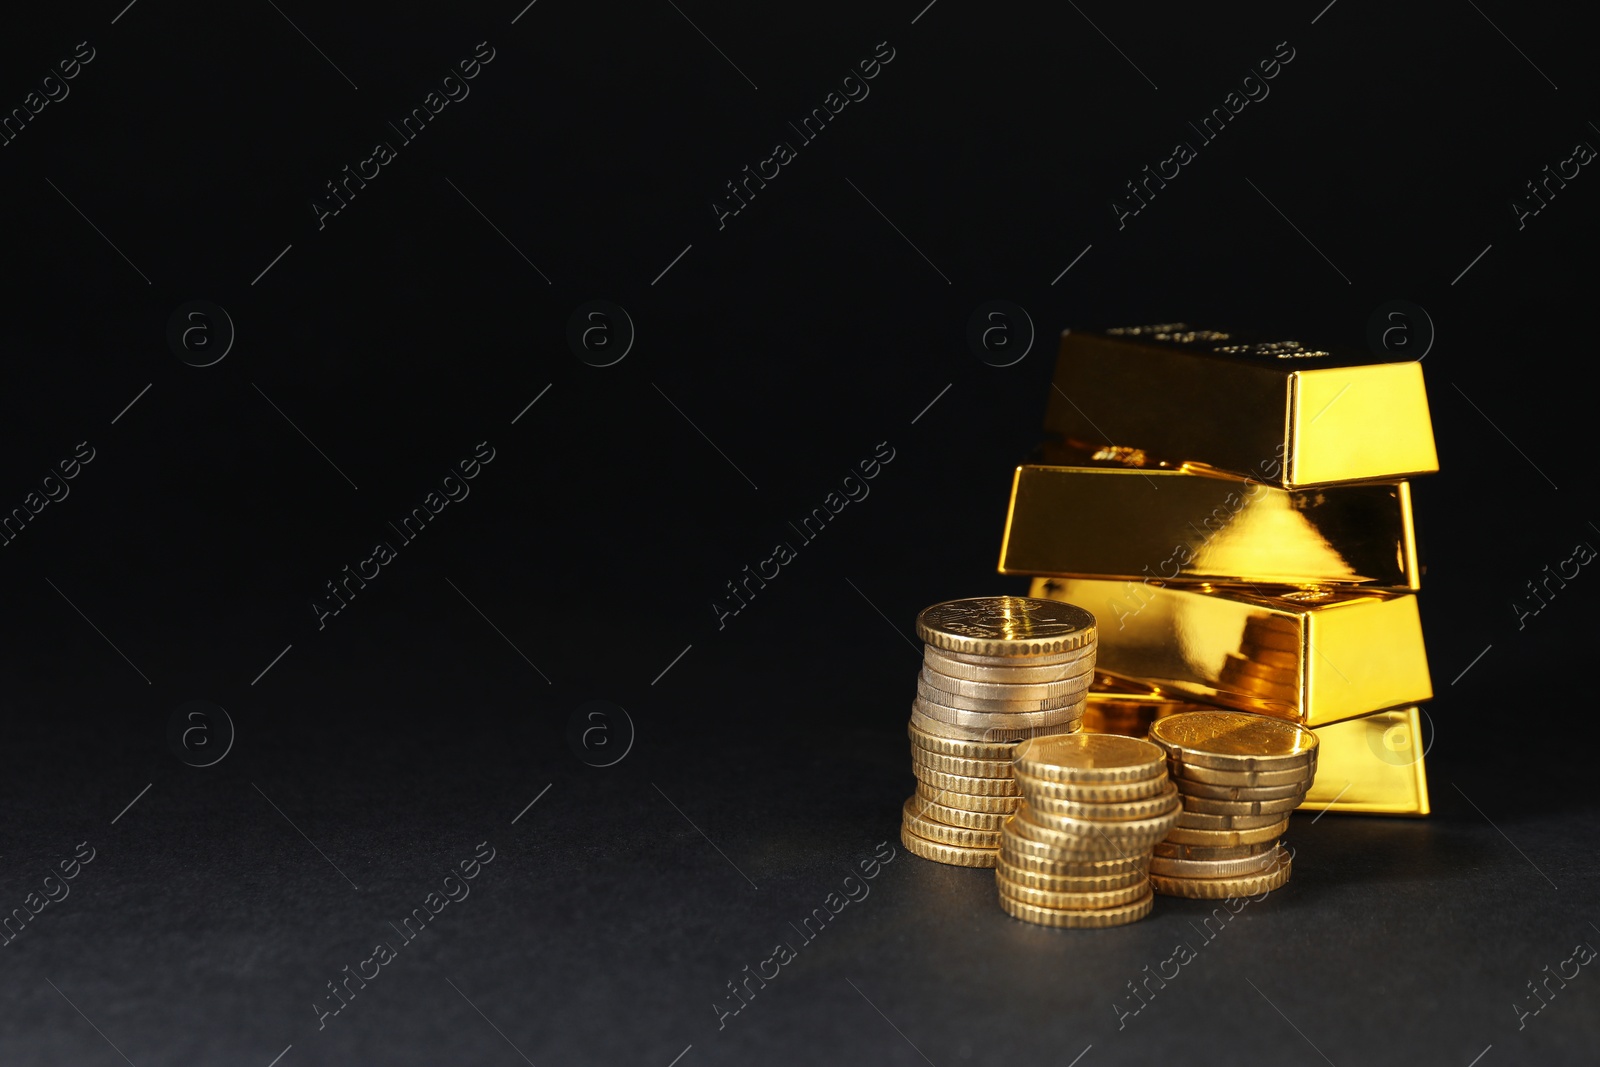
(1372, 766)
(1174, 850)
(1358, 651)
(1013, 705)
(1035, 672)
(1021, 854)
(915, 821)
(952, 816)
(1006, 626)
(1101, 793)
(970, 768)
(1259, 863)
(1197, 820)
(1049, 694)
(1060, 917)
(1043, 807)
(1291, 416)
(954, 855)
(1241, 792)
(1093, 835)
(1233, 741)
(1207, 806)
(969, 801)
(1184, 835)
(1182, 526)
(993, 735)
(965, 749)
(1083, 655)
(1221, 888)
(1086, 900)
(1300, 776)
(1025, 874)
(961, 783)
(1004, 720)
(1089, 759)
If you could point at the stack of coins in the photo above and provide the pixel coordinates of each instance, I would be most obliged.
(996, 671)
(1078, 851)
(1239, 776)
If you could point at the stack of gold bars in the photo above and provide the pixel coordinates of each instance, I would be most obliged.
(996, 670)
(1078, 850)
(1239, 777)
(1235, 512)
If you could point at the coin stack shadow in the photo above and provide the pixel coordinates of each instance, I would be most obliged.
(970, 713)
(1227, 841)
(1078, 850)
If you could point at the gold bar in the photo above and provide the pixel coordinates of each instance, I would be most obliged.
(1371, 766)
(1115, 706)
(1183, 526)
(1276, 411)
(1314, 656)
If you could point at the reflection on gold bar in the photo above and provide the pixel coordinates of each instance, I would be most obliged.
(1278, 411)
(1315, 656)
(1372, 765)
(1115, 706)
(1182, 526)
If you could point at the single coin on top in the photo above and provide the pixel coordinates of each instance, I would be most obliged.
(1006, 626)
(1090, 758)
(1233, 740)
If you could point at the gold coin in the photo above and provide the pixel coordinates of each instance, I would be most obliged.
(967, 801)
(1183, 835)
(972, 768)
(1030, 671)
(1173, 850)
(962, 747)
(1008, 692)
(932, 830)
(954, 855)
(1006, 626)
(1293, 776)
(1242, 807)
(1107, 792)
(1084, 900)
(1083, 759)
(1091, 838)
(1047, 859)
(1199, 820)
(1242, 792)
(1099, 918)
(953, 816)
(1219, 888)
(1169, 867)
(960, 783)
(1004, 720)
(1022, 874)
(1043, 807)
(1005, 706)
(986, 735)
(1234, 740)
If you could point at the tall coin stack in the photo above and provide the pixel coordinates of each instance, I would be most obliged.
(996, 671)
(1078, 850)
(1239, 777)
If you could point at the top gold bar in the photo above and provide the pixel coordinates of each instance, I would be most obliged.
(1276, 411)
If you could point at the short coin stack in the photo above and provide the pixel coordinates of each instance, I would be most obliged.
(1240, 776)
(996, 670)
(1077, 852)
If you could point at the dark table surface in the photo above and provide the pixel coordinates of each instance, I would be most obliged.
(354, 759)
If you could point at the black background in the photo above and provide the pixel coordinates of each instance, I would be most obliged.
(425, 716)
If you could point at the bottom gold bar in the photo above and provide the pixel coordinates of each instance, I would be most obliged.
(1371, 766)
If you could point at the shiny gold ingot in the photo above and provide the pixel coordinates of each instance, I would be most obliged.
(1371, 766)
(1280, 412)
(1181, 526)
(1359, 651)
